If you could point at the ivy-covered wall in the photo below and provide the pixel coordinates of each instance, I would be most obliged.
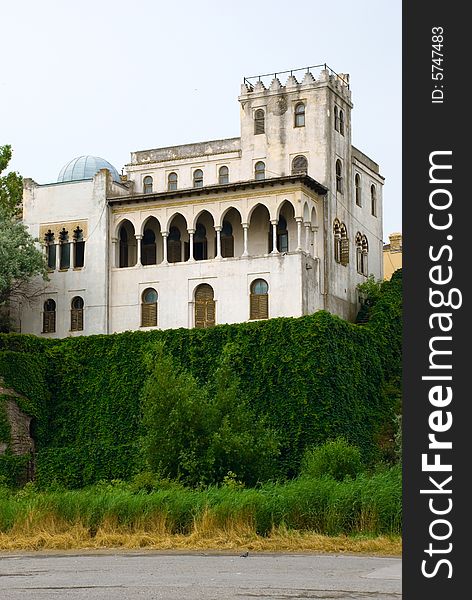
(316, 377)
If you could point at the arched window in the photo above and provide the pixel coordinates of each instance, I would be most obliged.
(50, 250)
(147, 184)
(77, 314)
(357, 185)
(49, 316)
(299, 165)
(204, 306)
(79, 248)
(149, 308)
(344, 258)
(64, 249)
(339, 176)
(259, 170)
(259, 121)
(336, 118)
(337, 240)
(341, 243)
(227, 240)
(341, 122)
(200, 246)
(282, 235)
(148, 247)
(359, 252)
(198, 178)
(373, 200)
(172, 181)
(123, 247)
(365, 254)
(223, 175)
(259, 300)
(300, 115)
(174, 245)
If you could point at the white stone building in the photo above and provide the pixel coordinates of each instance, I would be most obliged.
(282, 221)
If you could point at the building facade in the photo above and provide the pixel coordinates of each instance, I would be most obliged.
(392, 255)
(284, 220)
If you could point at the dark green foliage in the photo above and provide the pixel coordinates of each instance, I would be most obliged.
(335, 458)
(314, 378)
(198, 433)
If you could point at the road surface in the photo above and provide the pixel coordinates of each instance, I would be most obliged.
(147, 575)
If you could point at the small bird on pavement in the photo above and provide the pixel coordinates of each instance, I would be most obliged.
(244, 554)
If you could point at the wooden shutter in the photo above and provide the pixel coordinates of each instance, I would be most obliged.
(344, 251)
(149, 315)
(204, 307)
(259, 306)
(49, 321)
(76, 319)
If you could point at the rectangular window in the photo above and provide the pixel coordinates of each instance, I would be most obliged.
(51, 256)
(79, 251)
(64, 256)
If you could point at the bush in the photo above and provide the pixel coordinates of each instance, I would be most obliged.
(198, 433)
(336, 459)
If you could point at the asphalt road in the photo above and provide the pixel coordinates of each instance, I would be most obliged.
(197, 576)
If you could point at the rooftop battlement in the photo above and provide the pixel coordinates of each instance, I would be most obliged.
(296, 79)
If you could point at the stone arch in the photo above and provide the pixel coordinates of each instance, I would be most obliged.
(178, 247)
(127, 246)
(204, 238)
(259, 233)
(234, 246)
(151, 242)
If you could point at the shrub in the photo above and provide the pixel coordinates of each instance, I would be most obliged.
(336, 459)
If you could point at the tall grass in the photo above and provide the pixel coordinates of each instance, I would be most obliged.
(367, 505)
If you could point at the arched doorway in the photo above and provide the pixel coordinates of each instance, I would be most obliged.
(204, 306)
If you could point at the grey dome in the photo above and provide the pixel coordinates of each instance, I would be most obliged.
(85, 167)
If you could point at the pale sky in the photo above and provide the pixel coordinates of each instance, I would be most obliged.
(108, 77)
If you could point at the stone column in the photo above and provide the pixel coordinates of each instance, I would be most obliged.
(307, 237)
(164, 247)
(218, 242)
(115, 258)
(314, 230)
(299, 233)
(274, 236)
(190, 235)
(245, 253)
(138, 237)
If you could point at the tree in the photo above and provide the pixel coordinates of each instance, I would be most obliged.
(200, 433)
(20, 259)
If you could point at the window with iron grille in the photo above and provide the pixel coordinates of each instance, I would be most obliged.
(357, 185)
(172, 181)
(149, 308)
(49, 316)
(373, 200)
(300, 115)
(223, 175)
(147, 184)
(198, 178)
(299, 165)
(259, 121)
(259, 170)
(77, 314)
(259, 300)
(339, 176)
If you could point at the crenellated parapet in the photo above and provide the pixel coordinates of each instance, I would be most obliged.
(296, 80)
